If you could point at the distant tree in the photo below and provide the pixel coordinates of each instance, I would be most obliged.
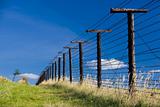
(17, 72)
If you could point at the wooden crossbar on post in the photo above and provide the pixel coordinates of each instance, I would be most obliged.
(99, 68)
(80, 43)
(131, 44)
(126, 10)
(70, 60)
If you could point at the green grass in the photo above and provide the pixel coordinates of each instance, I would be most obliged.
(80, 98)
(20, 95)
(61, 95)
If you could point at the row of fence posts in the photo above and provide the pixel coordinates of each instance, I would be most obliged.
(51, 71)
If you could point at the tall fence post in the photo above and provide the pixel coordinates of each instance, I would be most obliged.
(59, 68)
(55, 67)
(50, 71)
(80, 43)
(70, 64)
(53, 71)
(70, 61)
(131, 43)
(41, 78)
(64, 66)
(45, 75)
(99, 68)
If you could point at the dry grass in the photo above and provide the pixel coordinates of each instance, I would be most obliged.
(116, 97)
(64, 94)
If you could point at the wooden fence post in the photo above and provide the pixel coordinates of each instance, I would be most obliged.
(131, 44)
(99, 68)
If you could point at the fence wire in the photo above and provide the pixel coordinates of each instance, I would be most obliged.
(114, 51)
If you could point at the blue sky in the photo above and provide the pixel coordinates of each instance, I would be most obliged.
(33, 31)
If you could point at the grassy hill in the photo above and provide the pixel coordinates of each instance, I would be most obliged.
(61, 95)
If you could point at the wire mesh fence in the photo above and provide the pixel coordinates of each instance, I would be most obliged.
(114, 52)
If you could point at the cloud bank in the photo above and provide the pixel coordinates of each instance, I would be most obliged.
(154, 71)
(107, 64)
(29, 76)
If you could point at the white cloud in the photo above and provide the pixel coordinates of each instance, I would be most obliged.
(154, 71)
(107, 64)
(29, 76)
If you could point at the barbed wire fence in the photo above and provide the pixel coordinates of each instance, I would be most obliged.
(105, 61)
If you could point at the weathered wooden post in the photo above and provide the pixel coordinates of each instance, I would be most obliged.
(80, 43)
(50, 71)
(70, 61)
(55, 67)
(64, 66)
(43, 77)
(53, 71)
(131, 44)
(99, 68)
(40, 79)
(59, 68)
(46, 75)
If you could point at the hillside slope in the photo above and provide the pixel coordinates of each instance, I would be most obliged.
(60, 95)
